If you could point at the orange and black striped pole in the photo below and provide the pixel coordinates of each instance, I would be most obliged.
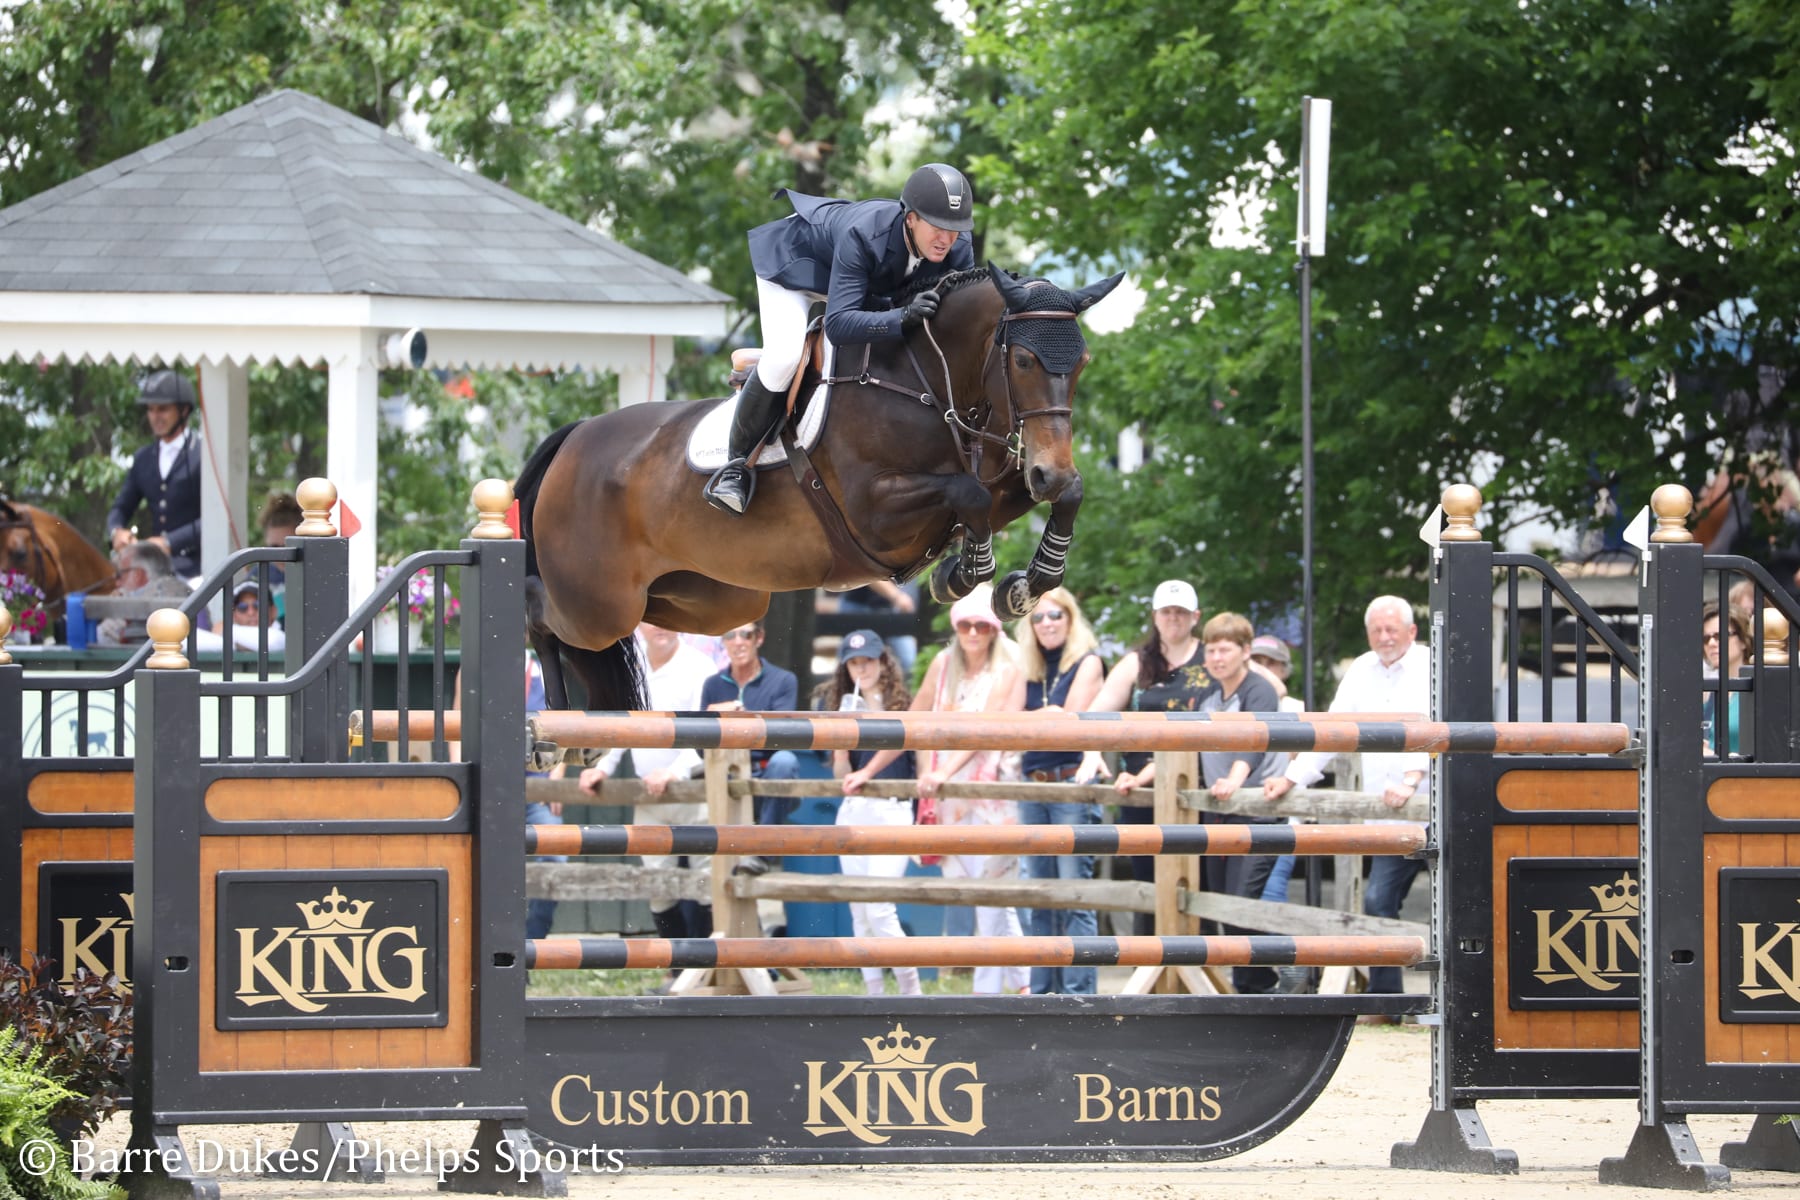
(590, 953)
(973, 839)
(1246, 732)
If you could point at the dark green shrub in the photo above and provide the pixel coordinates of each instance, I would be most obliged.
(83, 1028)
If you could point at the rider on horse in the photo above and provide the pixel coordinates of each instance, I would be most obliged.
(855, 255)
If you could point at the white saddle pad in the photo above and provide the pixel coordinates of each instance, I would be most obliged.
(707, 445)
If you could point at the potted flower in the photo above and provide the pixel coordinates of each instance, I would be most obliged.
(417, 602)
(25, 601)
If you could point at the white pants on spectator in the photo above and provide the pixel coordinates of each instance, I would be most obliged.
(877, 918)
(992, 922)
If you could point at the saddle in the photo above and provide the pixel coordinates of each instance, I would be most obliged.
(807, 402)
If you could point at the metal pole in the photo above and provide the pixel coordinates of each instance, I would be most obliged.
(1306, 474)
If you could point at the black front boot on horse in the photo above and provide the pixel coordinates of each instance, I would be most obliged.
(759, 411)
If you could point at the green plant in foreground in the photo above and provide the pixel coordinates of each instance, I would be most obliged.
(34, 1164)
(83, 1026)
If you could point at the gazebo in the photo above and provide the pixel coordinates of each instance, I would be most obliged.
(288, 231)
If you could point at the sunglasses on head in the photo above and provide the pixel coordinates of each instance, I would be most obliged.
(739, 635)
(1047, 614)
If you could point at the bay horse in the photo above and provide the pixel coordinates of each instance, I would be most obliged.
(51, 553)
(948, 435)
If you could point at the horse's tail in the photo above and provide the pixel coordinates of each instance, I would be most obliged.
(525, 490)
(613, 678)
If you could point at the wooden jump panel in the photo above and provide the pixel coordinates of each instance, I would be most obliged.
(339, 1049)
(1554, 1029)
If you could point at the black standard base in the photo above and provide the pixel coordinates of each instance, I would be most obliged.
(1773, 1145)
(503, 1162)
(160, 1169)
(1664, 1156)
(1453, 1139)
(327, 1150)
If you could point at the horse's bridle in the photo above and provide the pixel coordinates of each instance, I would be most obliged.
(970, 434)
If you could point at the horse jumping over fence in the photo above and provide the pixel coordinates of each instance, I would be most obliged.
(52, 553)
(957, 431)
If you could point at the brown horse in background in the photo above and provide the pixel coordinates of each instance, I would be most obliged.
(51, 553)
(950, 434)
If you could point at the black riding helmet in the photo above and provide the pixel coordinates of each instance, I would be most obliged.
(166, 387)
(940, 194)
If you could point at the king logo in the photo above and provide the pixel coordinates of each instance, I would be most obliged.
(896, 1089)
(333, 957)
(98, 943)
(1598, 945)
(1763, 941)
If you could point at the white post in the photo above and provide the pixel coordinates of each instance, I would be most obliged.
(647, 380)
(350, 458)
(224, 463)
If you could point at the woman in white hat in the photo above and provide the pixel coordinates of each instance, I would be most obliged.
(976, 673)
(1165, 673)
(868, 679)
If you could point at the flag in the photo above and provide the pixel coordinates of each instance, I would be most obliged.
(348, 525)
(512, 519)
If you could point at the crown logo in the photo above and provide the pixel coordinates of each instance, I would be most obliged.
(1618, 899)
(898, 1049)
(334, 913)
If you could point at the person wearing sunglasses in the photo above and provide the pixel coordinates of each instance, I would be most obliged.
(869, 679)
(748, 683)
(1165, 673)
(1728, 642)
(1063, 673)
(975, 673)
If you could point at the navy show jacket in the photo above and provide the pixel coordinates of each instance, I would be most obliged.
(852, 252)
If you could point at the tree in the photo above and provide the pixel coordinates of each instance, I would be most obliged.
(668, 125)
(1539, 215)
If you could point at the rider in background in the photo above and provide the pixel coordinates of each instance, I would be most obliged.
(854, 255)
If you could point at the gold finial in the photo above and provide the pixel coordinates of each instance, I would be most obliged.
(167, 628)
(1461, 502)
(492, 498)
(1775, 639)
(1671, 503)
(316, 496)
(5, 629)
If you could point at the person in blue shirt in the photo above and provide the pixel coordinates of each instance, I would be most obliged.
(854, 255)
(751, 684)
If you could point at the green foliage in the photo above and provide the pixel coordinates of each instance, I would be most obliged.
(82, 1029)
(1534, 225)
(29, 1093)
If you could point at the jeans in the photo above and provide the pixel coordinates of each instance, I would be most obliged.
(1276, 888)
(774, 810)
(1390, 878)
(539, 914)
(1061, 922)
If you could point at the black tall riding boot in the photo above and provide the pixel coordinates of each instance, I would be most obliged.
(670, 923)
(758, 412)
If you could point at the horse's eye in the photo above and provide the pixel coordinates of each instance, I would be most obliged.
(1022, 360)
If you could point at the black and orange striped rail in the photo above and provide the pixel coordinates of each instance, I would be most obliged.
(973, 839)
(593, 953)
(1245, 732)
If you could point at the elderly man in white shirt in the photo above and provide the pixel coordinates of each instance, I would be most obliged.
(1394, 676)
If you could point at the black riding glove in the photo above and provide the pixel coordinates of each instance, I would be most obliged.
(922, 308)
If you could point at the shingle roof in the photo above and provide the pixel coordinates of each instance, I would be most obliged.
(288, 195)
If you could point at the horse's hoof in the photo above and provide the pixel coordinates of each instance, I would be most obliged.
(1013, 597)
(947, 583)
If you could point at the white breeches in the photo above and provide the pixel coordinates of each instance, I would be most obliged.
(784, 316)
